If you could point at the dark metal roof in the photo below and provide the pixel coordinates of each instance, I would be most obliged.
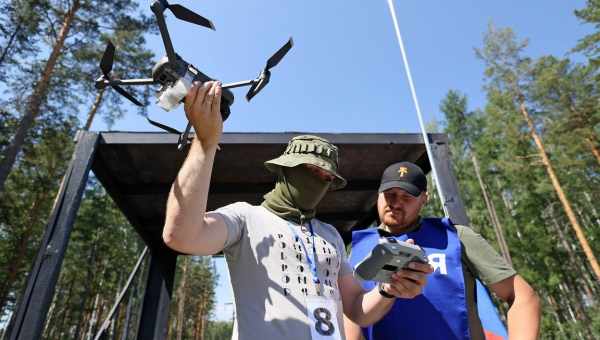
(137, 169)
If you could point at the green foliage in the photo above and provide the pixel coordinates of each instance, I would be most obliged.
(561, 99)
(590, 44)
(103, 246)
(19, 32)
(102, 252)
(72, 79)
(218, 330)
(196, 294)
(25, 206)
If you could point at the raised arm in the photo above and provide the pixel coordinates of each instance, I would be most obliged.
(187, 228)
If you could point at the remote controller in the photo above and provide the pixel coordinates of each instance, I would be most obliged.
(387, 258)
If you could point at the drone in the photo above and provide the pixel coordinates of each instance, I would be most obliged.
(176, 76)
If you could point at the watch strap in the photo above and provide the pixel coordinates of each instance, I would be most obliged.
(384, 293)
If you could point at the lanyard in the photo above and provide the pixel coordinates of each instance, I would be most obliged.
(311, 262)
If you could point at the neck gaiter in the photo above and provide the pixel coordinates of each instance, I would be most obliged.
(296, 194)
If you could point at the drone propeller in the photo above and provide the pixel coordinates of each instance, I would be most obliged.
(127, 95)
(185, 14)
(108, 57)
(159, 6)
(106, 64)
(276, 58)
(265, 75)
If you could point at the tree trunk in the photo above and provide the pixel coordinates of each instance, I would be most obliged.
(94, 109)
(10, 42)
(36, 99)
(139, 297)
(97, 308)
(58, 327)
(590, 140)
(199, 326)
(86, 293)
(132, 294)
(491, 208)
(559, 191)
(592, 208)
(15, 263)
(50, 316)
(93, 319)
(574, 312)
(593, 145)
(181, 295)
(115, 319)
(572, 257)
(554, 308)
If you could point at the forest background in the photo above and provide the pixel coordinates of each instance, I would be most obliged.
(526, 154)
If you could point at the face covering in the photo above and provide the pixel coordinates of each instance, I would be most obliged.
(296, 194)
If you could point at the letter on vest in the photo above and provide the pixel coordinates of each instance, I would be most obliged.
(438, 261)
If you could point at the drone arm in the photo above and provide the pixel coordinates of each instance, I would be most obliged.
(102, 83)
(146, 81)
(239, 84)
(158, 9)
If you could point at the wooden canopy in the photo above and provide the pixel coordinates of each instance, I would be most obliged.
(137, 169)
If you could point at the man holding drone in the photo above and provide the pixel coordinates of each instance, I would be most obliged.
(289, 271)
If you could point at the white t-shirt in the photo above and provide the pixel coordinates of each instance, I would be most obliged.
(274, 290)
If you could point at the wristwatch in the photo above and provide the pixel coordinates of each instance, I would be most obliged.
(384, 293)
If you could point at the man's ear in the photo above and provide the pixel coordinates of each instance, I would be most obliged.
(425, 198)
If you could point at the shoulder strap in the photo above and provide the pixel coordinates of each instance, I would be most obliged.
(440, 222)
(446, 221)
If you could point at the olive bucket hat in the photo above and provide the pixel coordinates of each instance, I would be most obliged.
(307, 149)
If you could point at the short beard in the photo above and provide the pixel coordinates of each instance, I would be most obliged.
(399, 227)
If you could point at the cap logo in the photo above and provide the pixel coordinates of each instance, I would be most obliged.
(403, 171)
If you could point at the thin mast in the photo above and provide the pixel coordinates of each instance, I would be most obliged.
(417, 107)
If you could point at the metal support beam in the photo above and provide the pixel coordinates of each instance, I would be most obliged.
(113, 310)
(34, 304)
(157, 298)
(447, 181)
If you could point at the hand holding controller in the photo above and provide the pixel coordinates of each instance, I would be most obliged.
(387, 258)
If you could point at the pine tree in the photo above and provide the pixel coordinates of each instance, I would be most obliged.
(590, 44)
(28, 200)
(19, 32)
(569, 95)
(75, 27)
(507, 70)
(459, 129)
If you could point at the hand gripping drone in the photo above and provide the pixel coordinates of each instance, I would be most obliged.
(176, 76)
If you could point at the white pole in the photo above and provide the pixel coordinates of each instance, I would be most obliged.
(417, 107)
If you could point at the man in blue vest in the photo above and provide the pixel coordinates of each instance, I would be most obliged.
(447, 309)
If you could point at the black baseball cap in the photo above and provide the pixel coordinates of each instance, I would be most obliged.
(406, 176)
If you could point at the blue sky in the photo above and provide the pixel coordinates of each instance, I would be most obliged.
(345, 73)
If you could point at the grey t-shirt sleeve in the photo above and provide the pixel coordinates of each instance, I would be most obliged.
(234, 216)
(484, 260)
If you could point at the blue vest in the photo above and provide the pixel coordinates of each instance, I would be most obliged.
(441, 311)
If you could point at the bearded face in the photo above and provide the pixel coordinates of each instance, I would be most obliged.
(398, 209)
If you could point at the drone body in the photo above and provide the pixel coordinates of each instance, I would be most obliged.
(177, 79)
(176, 76)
